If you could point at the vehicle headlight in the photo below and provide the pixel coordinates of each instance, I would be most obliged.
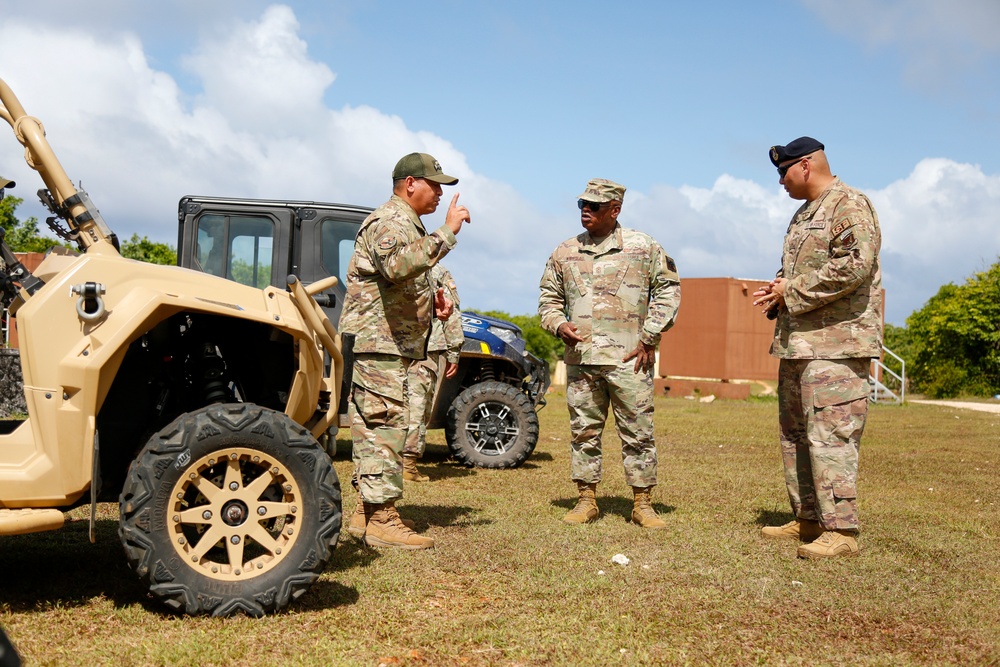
(506, 335)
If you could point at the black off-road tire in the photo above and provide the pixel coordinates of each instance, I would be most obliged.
(492, 425)
(231, 508)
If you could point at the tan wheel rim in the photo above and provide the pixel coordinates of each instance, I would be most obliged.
(234, 514)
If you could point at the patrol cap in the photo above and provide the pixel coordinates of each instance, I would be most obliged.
(799, 148)
(422, 165)
(602, 190)
(6, 183)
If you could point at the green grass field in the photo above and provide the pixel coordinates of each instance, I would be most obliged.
(509, 584)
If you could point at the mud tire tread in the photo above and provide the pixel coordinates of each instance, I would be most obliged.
(182, 588)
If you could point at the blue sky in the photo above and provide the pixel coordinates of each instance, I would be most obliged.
(526, 101)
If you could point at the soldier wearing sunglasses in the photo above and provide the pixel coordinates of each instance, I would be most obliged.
(827, 305)
(608, 294)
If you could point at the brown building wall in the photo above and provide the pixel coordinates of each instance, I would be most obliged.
(719, 333)
(31, 260)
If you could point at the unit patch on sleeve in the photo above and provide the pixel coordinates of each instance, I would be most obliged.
(386, 243)
(841, 226)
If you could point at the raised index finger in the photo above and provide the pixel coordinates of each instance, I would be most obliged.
(454, 200)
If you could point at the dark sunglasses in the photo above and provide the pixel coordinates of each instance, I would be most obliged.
(784, 170)
(591, 206)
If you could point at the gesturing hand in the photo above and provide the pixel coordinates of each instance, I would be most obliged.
(456, 216)
(443, 306)
(567, 331)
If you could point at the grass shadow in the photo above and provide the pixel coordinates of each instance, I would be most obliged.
(613, 505)
(425, 516)
(63, 569)
(326, 594)
(351, 552)
(772, 517)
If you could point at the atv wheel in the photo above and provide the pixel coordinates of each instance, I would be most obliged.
(492, 425)
(231, 508)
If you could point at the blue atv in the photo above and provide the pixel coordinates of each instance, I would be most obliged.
(487, 409)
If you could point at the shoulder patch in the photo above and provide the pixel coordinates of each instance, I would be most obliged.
(841, 226)
(386, 243)
(670, 264)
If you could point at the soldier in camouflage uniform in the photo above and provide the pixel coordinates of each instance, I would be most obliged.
(389, 306)
(444, 344)
(827, 299)
(608, 294)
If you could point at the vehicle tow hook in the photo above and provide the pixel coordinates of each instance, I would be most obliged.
(90, 305)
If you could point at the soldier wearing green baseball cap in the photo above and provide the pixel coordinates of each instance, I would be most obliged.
(421, 165)
(391, 300)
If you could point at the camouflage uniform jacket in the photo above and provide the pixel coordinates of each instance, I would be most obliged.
(617, 292)
(446, 336)
(390, 300)
(833, 300)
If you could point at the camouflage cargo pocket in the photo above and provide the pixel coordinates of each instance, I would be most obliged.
(371, 466)
(845, 489)
(632, 288)
(576, 283)
(839, 392)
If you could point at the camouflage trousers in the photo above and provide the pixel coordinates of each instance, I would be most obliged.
(589, 392)
(421, 381)
(822, 405)
(379, 421)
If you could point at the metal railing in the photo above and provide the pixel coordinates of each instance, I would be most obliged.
(879, 375)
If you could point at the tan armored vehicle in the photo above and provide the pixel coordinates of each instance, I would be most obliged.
(193, 401)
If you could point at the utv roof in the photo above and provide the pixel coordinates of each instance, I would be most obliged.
(285, 203)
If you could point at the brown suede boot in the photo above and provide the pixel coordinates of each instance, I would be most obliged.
(806, 530)
(386, 529)
(830, 544)
(357, 524)
(410, 472)
(586, 508)
(642, 509)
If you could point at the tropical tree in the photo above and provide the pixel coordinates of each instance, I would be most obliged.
(22, 235)
(145, 250)
(537, 340)
(955, 339)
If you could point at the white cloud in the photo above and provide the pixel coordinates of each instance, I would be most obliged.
(259, 128)
(939, 225)
(937, 39)
(260, 77)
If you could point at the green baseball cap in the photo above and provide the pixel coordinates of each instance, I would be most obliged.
(602, 190)
(6, 183)
(422, 165)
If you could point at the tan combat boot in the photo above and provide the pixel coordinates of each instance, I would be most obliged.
(799, 529)
(410, 472)
(357, 524)
(586, 508)
(642, 509)
(386, 529)
(831, 544)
